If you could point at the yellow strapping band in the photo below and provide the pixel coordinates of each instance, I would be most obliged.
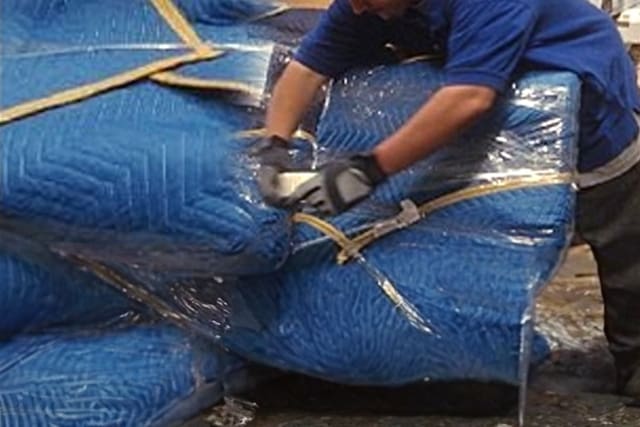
(175, 20)
(180, 26)
(175, 79)
(131, 289)
(356, 244)
(79, 93)
(324, 227)
(307, 4)
(387, 287)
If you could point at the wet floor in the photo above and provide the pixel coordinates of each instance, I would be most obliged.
(574, 388)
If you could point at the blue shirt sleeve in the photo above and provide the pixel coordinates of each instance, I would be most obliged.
(341, 40)
(487, 41)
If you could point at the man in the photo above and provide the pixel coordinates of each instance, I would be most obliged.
(485, 43)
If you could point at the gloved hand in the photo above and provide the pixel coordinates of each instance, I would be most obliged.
(339, 185)
(272, 155)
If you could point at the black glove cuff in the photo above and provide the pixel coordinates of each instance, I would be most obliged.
(368, 164)
(267, 143)
(271, 151)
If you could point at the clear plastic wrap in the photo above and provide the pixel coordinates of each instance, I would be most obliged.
(488, 221)
(148, 190)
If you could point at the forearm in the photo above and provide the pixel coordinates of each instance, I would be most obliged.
(448, 111)
(292, 96)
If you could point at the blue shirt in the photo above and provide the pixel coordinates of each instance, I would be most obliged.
(487, 42)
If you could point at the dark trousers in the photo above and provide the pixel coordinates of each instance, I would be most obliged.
(608, 219)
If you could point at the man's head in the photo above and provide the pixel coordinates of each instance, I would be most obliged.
(386, 9)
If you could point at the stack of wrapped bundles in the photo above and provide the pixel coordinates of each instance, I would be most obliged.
(140, 269)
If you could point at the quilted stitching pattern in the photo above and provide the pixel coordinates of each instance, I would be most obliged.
(133, 377)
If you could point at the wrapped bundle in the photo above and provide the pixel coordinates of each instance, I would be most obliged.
(439, 286)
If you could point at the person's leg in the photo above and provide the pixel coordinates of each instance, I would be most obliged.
(608, 219)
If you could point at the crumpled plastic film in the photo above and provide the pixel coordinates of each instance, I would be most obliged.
(522, 137)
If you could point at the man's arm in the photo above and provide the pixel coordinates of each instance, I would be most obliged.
(485, 46)
(450, 110)
(343, 183)
(486, 43)
(340, 41)
(292, 96)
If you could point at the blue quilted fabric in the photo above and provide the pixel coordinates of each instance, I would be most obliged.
(469, 270)
(33, 297)
(220, 13)
(79, 42)
(249, 44)
(336, 323)
(18, 84)
(47, 47)
(146, 174)
(140, 376)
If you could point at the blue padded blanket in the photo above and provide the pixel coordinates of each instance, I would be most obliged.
(158, 180)
(96, 364)
(153, 172)
(33, 297)
(52, 45)
(138, 376)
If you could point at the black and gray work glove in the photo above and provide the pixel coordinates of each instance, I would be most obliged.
(272, 155)
(339, 185)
